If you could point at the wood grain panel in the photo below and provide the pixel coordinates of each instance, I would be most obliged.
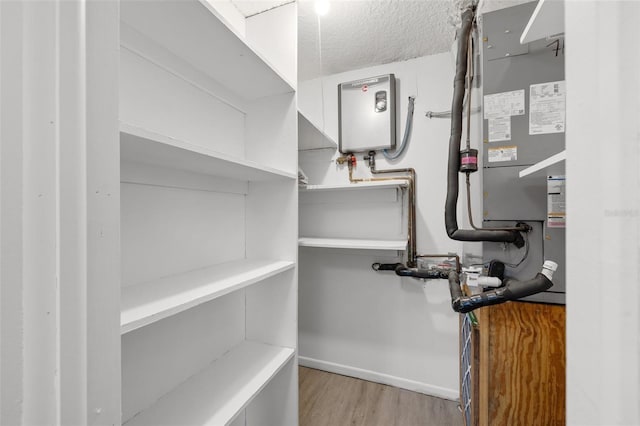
(481, 365)
(525, 382)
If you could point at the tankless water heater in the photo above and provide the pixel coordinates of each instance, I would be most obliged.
(367, 114)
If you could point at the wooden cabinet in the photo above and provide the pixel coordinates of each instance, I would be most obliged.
(520, 364)
(208, 148)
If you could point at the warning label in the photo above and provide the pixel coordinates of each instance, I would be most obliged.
(503, 153)
(556, 202)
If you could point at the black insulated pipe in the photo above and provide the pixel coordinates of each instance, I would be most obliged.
(450, 209)
(512, 290)
(405, 271)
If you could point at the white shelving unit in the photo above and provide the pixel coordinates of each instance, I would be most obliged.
(332, 215)
(152, 301)
(194, 31)
(356, 186)
(547, 162)
(146, 147)
(311, 137)
(360, 244)
(547, 20)
(208, 150)
(239, 375)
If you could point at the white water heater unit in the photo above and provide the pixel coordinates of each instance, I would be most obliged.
(367, 114)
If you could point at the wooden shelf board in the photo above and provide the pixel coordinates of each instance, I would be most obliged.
(355, 186)
(219, 393)
(192, 30)
(311, 137)
(346, 243)
(146, 303)
(138, 145)
(554, 159)
(546, 20)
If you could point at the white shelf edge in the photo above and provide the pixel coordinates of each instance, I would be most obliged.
(353, 243)
(248, 44)
(554, 159)
(145, 303)
(188, 147)
(184, 22)
(354, 186)
(546, 20)
(330, 143)
(220, 392)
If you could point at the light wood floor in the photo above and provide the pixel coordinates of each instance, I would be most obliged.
(328, 399)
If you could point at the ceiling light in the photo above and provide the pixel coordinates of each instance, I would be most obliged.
(322, 7)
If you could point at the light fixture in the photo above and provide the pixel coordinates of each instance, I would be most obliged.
(322, 7)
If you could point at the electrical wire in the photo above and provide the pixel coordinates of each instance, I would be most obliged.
(511, 265)
(470, 214)
(469, 87)
(407, 133)
(526, 253)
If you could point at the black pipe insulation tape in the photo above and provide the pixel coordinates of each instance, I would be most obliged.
(496, 269)
(451, 204)
(404, 271)
(512, 290)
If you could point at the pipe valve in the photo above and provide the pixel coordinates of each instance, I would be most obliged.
(371, 158)
(342, 159)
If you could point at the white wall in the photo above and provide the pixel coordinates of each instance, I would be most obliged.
(230, 14)
(359, 319)
(603, 208)
(59, 213)
(274, 33)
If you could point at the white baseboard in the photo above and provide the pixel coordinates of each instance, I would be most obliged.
(386, 379)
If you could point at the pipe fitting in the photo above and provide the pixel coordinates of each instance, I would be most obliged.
(512, 290)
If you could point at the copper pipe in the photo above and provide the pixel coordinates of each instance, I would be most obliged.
(469, 85)
(470, 75)
(411, 237)
(516, 228)
(411, 231)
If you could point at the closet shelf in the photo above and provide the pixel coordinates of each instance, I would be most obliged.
(345, 243)
(355, 186)
(146, 303)
(194, 31)
(139, 145)
(218, 394)
(311, 137)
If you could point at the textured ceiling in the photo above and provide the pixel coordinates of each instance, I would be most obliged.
(361, 33)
